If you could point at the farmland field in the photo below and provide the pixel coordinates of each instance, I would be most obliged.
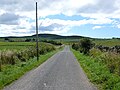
(15, 45)
(105, 42)
(14, 51)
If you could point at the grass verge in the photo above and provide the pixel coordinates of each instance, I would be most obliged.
(98, 73)
(11, 73)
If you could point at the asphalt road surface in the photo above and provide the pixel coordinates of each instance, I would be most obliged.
(60, 72)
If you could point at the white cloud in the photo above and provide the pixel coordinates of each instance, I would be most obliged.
(57, 31)
(59, 26)
(21, 14)
(97, 27)
(47, 25)
(48, 22)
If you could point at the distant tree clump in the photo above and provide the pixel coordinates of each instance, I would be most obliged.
(52, 42)
(6, 39)
(33, 39)
(27, 40)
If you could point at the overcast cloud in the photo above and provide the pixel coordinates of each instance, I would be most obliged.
(9, 19)
(101, 6)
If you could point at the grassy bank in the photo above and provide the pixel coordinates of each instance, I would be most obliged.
(13, 72)
(98, 73)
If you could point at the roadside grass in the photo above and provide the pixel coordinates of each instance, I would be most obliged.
(98, 73)
(11, 73)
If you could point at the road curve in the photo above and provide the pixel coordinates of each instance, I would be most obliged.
(60, 72)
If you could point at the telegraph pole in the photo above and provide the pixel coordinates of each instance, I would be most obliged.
(37, 34)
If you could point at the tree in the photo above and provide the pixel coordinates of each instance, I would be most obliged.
(6, 39)
(76, 46)
(33, 40)
(27, 40)
(85, 45)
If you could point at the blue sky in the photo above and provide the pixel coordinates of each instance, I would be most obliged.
(90, 18)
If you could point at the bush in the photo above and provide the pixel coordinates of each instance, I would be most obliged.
(7, 57)
(95, 53)
(85, 45)
(76, 46)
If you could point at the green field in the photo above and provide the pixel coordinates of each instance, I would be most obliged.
(111, 42)
(104, 42)
(15, 45)
(12, 52)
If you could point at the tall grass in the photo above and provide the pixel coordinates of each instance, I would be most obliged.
(97, 72)
(110, 59)
(7, 57)
(12, 57)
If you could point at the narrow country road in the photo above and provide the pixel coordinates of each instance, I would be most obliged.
(60, 72)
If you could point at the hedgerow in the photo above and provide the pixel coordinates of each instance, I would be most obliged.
(12, 57)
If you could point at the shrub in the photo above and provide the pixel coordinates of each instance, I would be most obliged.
(85, 45)
(7, 57)
(76, 46)
(95, 53)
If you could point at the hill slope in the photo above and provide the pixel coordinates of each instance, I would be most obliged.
(54, 36)
(47, 36)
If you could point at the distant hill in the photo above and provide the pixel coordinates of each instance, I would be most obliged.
(54, 36)
(42, 36)
(48, 36)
